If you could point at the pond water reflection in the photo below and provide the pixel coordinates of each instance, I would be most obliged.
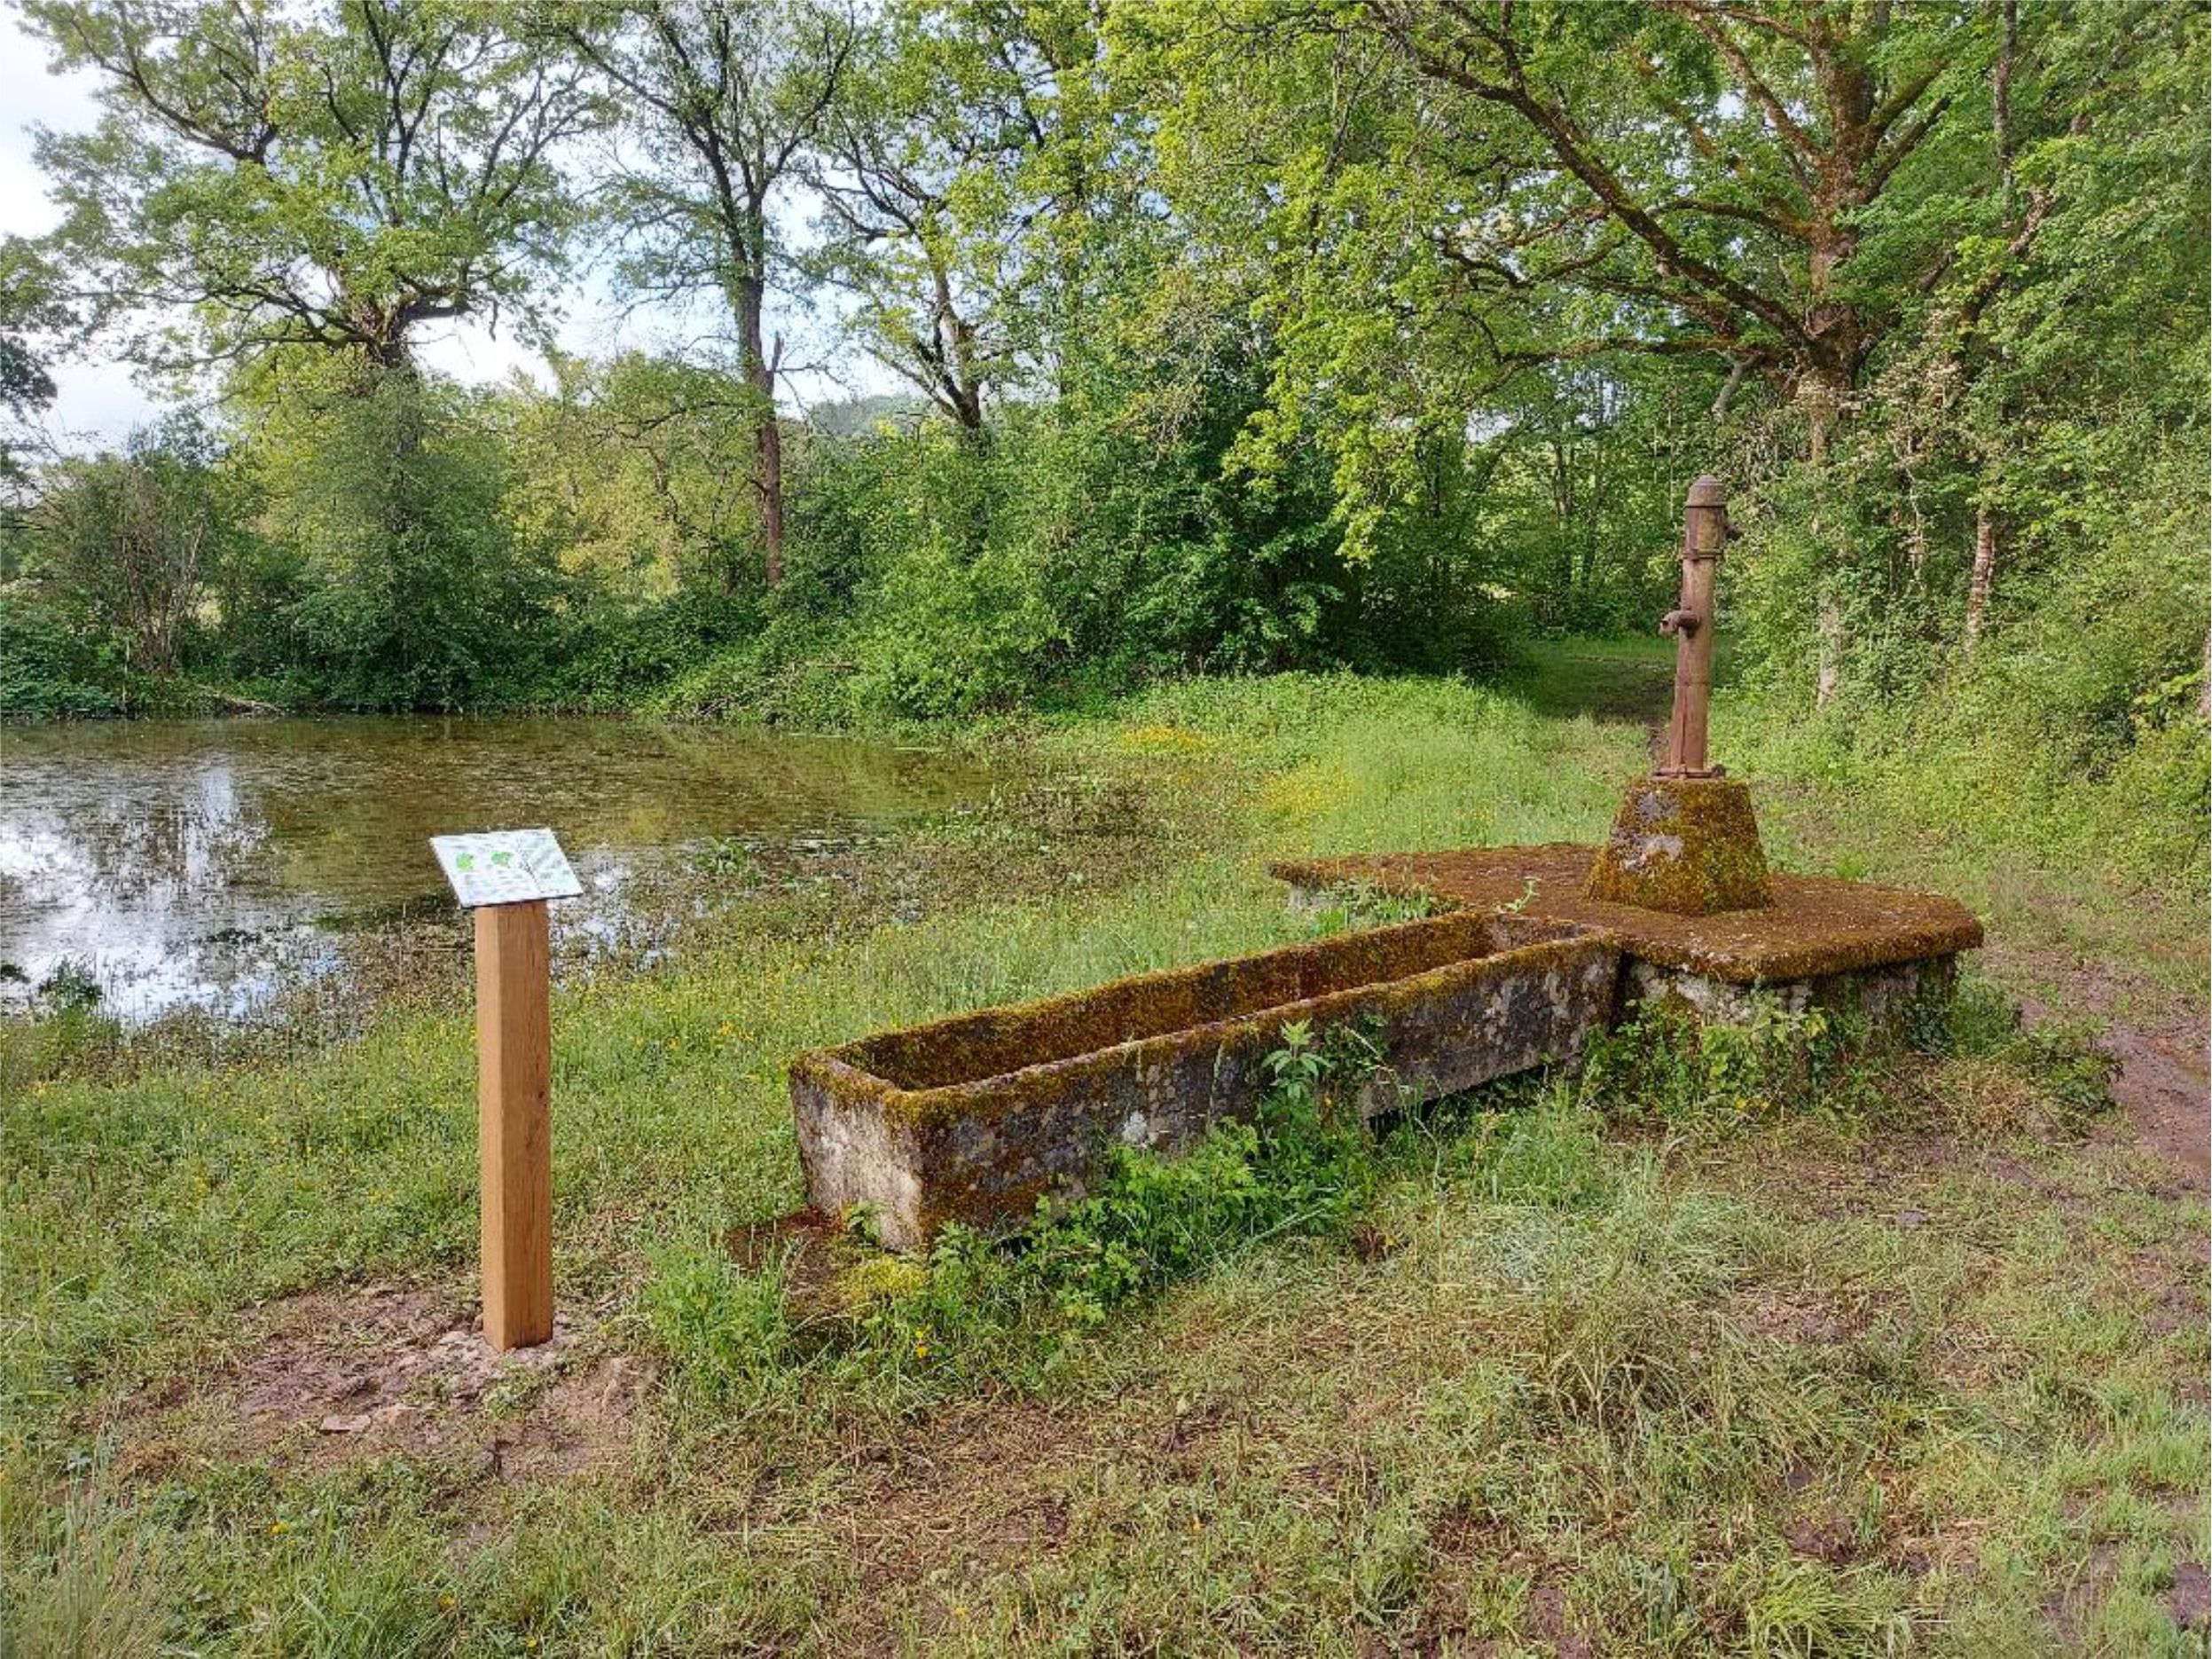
(208, 861)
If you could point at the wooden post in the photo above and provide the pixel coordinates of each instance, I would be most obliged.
(1705, 532)
(515, 1121)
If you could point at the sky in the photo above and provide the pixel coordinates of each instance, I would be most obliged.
(100, 399)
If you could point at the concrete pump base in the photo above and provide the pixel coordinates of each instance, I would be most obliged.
(1690, 846)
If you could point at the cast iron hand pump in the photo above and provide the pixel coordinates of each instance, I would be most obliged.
(1704, 531)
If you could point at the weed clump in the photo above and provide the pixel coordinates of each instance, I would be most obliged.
(1663, 1066)
(1965, 1063)
(1301, 1167)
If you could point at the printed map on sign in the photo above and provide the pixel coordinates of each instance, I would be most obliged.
(504, 867)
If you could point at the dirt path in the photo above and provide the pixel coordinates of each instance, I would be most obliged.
(2163, 1083)
(2166, 1094)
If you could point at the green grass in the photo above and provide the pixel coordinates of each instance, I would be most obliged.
(1914, 1364)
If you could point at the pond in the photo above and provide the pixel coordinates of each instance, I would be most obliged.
(212, 863)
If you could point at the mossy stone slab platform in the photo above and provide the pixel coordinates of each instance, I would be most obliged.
(1819, 940)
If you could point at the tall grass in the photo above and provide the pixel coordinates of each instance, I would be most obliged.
(1546, 1381)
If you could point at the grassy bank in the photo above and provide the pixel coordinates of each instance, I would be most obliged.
(1918, 1361)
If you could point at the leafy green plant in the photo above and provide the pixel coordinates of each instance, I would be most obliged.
(1671, 1067)
(1302, 1167)
(1299, 1167)
(70, 987)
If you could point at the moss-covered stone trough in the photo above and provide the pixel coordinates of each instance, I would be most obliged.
(976, 1118)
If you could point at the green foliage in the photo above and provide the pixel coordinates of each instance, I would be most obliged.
(1547, 1154)
(325, 177)
(410, 587)
(26, 382)
(53, 666)
(1673, 1068)
(109, 572)
(1241, 339)
(1301, 1167)
(1665, 1068)
(2039, 420)
(2075, 734)
(1360, 906)
(2059, 1059)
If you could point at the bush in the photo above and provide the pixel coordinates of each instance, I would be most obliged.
(52, 666)
(418, 592)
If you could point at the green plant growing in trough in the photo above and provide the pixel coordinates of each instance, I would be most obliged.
(1358, 904)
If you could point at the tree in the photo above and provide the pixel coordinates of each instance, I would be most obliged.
(968, 193)
(273, 177)
(414, 588)
(1715, 170)
(893, 155)
(133, 539)
(637, 468)
(287, 192)
(26, 389)
(1782, 200)
(722, 97)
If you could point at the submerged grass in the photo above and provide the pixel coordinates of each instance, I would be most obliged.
(1897, 1360)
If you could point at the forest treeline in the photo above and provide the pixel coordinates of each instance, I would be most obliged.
(1236, 335)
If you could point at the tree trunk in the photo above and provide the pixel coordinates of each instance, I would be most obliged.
(771, 485)
(1828, 677)
(1985, 573)
(760, 373)
(1822, 400)
(402, 424)
(955, 353)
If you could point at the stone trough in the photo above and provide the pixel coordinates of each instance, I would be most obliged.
(975, 1118)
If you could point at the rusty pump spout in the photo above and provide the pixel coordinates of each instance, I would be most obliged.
(1705, 532)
